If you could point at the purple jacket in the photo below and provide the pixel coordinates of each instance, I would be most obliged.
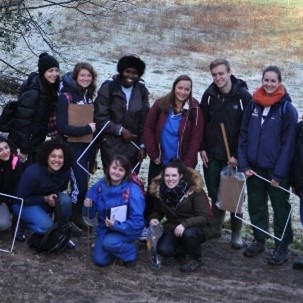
(190, 132)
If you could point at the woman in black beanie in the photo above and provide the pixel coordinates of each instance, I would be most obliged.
(37, 101)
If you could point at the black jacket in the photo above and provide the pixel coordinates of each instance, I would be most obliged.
(35, 103)
(227, 109)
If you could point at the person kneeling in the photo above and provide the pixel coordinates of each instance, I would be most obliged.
(178, 196)
(42, 185)
(120, 205)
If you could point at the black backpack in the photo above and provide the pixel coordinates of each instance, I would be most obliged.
(7, 117)
(297, 166)
(55, 240)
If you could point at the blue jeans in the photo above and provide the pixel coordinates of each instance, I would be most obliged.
(38, 217)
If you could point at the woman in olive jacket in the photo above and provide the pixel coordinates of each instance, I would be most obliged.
(179, 197)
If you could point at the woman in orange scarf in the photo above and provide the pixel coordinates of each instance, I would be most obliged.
(266, 149)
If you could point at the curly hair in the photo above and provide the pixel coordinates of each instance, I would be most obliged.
(48, 146)
(123, 162)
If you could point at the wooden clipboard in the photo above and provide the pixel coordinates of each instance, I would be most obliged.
(80, 115)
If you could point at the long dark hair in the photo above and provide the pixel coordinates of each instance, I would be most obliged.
(48, 146)
(170, 99)
(85, 65)
(181, 168)
(123, 162)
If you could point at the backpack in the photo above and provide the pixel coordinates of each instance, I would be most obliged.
(7, 117)
(296, 170)
(55, 240)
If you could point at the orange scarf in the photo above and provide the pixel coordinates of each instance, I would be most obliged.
(262, 98)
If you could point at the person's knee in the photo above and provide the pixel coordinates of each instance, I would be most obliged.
(5, 225)
(99, 260)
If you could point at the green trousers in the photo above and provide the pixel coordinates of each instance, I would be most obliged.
(258, 192)
(212, 180)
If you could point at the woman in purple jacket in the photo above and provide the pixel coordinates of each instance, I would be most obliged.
(173, 129)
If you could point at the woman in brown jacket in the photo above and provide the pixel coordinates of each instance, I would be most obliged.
(179, 197)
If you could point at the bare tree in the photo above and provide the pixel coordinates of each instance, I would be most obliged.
(21, 19)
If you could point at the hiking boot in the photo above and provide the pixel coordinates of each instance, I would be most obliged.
(254, 249)
(298, 264)
(280, 255)
(143, 236)
(191, 265)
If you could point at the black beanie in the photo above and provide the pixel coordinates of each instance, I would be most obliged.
(46, 62)
(131, 61)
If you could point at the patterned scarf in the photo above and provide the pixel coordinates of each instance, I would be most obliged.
(172, 196)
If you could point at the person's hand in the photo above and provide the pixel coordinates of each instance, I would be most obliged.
(51, 199)
(109, 223)
(127, 135)
(204, 157)
(274, 183)
(249, 173)
(179, 230)
(92, 126)
(154, 222)
(141, 154)
(233, 162)
(157, 161)
(88, 202)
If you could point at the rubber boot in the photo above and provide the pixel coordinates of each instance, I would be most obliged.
(78, 219)
(236, 225)
(218, 219)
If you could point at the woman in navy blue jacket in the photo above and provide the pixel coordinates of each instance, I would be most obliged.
(40, 185)
(78, 88)
(115, 237)
(266, 149)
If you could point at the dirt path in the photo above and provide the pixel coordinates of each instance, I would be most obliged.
(226, 276)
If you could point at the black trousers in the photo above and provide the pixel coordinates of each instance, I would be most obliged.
(190, 243)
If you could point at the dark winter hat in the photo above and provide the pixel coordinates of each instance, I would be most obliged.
(131, 61)
(46, 62)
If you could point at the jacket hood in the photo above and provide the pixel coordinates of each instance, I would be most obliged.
(236, 85)
(69, 83)
(195, 177)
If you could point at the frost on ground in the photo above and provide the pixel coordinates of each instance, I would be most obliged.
(227, 276)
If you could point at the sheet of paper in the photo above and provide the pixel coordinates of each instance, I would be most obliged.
(118, 213)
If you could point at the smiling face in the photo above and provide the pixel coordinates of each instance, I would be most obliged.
(129, 76)
(116, 173)
(84, 78)
(172, 177)
(55, 160)
(5, 151)
(182, 90)
(270, 82)
(51, 75)
(221, 78)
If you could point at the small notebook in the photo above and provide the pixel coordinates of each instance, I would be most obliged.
(80, 115)
(118, 213)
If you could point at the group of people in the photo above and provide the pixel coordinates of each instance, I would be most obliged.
(261, 131)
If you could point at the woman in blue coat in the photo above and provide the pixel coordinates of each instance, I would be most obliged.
(266, 149)
(115, 237)
(42, 183)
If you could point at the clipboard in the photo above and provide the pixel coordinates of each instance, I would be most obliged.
(118, 213)
(80, 115)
